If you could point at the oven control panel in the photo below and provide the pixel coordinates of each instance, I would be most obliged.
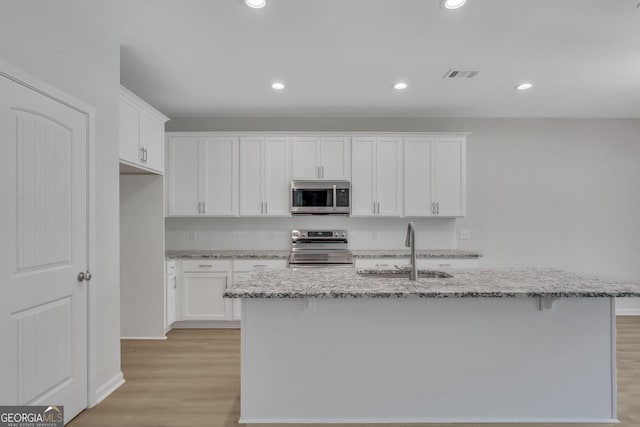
(319, 235)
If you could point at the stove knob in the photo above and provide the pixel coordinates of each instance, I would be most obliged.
(344, 234)
(296, 234)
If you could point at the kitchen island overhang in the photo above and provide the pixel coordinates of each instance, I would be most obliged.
(329, 346)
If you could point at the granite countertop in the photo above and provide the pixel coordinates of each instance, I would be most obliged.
(283, 254)
(427, 253)
(474, 283)
(229, 254)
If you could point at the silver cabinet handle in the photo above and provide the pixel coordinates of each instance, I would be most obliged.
(378, 208)
(322, 168)
(261, 207)
(433, 208)
(374, 208)
(266, 208)
(259, 266)
(438, 208)
(81, 277)
(318, 171)
(204, 207)
(145, 154)
(142, 154)
(205, 265)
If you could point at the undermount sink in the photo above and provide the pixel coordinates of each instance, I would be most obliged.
(400, 274)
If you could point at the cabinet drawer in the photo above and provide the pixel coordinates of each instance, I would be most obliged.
(380, 263)
(449, 263)
(203, 265)
(259, 264)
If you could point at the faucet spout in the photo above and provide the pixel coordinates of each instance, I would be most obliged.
(410, 242)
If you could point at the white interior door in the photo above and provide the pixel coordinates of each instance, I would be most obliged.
(43, 306)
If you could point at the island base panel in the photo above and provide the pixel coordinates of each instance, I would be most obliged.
(427, 360)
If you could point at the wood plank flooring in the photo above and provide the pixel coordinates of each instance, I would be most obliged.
(193, 379)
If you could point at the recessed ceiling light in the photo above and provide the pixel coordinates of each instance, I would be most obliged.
(256, 4)
(277, 85)
(524, 86)
(453, 4)
(400, 86)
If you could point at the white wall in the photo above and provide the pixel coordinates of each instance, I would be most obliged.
(541, 192)
(141, 256)
(69, 45)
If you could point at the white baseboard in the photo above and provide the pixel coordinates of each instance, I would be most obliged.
(218, 324)
(143, 338)
(109, 387)
(627, 311)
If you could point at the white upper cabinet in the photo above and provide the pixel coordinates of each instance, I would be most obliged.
(141, 133)
(377, 176)
(435, 176)
(265, 176)
(317, 158)
(203, 176)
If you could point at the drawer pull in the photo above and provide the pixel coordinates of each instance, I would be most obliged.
(260, 265)
(205, 265)
(444, 265)
(382, 265)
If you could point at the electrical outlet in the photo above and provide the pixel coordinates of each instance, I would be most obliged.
(375, 235)
(465, 234)
(193, 235)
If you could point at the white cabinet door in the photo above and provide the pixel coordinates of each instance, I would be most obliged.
(449, 177)
(376, 176)
(220, 176)
(418, 196)
(362, 176)
(184, 176)
(152, 139)
(129, 132)
(202, 296)
(265, 176)
(251, 176)
(388, 176)
(305, 162)
(335, 158)
(141, 133)
(277, 176)
(435, 176)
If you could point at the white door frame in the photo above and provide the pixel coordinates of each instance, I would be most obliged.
(49, 91)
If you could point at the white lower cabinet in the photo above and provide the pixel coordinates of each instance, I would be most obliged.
(203, 285)
(241, 270)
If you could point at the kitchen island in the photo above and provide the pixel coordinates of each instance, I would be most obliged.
(329, 345)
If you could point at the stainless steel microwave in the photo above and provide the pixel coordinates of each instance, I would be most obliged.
(320, 197)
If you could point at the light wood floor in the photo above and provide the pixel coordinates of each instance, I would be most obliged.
(193, 379)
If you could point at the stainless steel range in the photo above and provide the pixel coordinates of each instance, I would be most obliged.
(320, 248)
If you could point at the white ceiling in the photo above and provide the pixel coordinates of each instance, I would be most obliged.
(340, 57)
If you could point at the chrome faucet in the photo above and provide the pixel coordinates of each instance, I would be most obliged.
(410, 242)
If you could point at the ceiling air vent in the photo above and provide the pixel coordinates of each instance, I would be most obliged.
(460, 74)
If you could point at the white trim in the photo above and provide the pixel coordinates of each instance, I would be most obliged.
(627, 311)
(109, 387)
(37, 85)
(426, 420)
(614, 372)
(144, 338)
(213, 324)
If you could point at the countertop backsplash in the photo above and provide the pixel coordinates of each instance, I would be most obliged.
(275, 233)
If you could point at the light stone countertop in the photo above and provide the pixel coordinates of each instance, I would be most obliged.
(283, 254)
(470, 283)
(228, 254)
(420, 253)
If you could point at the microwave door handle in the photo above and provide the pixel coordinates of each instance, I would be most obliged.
(335, 202)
